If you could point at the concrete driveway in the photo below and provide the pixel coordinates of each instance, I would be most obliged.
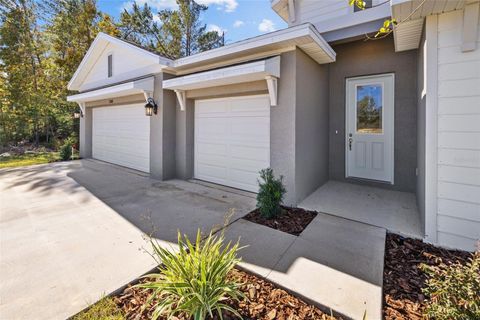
(72, 232)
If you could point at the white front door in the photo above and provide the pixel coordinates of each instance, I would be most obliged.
(121, 135)
(369, 127)
(232, 140)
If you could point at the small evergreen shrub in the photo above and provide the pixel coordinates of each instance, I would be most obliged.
(66, 150)
(270, 194)
(192, 283)
(454, 290)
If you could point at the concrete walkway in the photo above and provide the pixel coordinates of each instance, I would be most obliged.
(72, 232)
(335, 263)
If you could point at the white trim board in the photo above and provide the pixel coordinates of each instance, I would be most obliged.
(268, 69)
(144, 86)
(431, 130)
(253, 71)
(305, 36)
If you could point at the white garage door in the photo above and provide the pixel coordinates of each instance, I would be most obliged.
(121, 135)
(232, 140)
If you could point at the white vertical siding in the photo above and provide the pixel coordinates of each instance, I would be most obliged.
(329, 15)
(458, 220)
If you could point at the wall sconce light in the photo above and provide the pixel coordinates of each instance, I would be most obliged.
(77, 115)
(151, 107)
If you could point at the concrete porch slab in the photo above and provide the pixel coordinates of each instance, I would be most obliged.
(396, 211)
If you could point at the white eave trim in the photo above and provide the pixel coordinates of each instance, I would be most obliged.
(284, 37)
(268, 69)
(142, 86)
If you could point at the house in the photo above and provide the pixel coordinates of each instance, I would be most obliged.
(314, 101)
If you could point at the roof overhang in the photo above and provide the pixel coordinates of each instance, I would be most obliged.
(411, 13)
(281, 8)
(143, 86)
(303, 36)
(253, 71)
(268, 70)
(98, 46)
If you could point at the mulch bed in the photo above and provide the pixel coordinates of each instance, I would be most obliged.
(292, 220)
(264, 302)
(403, 279)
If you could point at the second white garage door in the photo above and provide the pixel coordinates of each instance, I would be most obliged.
(232, 140)
(121, 135)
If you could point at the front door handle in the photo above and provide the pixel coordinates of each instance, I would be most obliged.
(350, 140)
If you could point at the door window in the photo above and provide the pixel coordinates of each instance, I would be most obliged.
(369, 108)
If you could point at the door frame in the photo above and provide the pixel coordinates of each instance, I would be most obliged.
(390, 121)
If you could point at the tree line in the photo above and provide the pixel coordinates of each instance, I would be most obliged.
(43, 42)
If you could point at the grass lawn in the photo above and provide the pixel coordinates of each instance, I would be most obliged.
(105, 309)
(28, 159)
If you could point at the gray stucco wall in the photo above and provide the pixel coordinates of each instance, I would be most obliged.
(169, 132)
(162, 133)
(421, 118)
(85, 138)
(282, 126)
(311, 125)
(185, 143)
(375, 57)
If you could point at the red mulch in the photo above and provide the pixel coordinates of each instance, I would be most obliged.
(264, 301)
(403, 280)
(292, 220)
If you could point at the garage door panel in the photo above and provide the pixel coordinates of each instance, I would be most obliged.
(211, 108)
(121, 135)
(216, 127)
(250, 104)
(232, 140)
(258, 154)
(212, 173)
(211, 148)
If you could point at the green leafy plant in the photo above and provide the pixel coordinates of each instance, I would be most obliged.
(454, 290)
(270, 194)
(66, 150)
(193, 282)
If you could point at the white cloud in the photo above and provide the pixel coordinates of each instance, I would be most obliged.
(214, 27)
(226, 5)
(238, 23)
(266, 26)
(155, 4)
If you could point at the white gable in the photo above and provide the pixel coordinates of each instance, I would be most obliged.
(128, 62)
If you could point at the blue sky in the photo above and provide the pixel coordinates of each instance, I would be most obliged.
(240, 19)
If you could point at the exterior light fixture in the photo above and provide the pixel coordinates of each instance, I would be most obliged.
(151, 107)
(77, 115)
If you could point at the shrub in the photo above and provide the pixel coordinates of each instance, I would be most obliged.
(454, 290)
(193, 282)
(66, 150)
(270, 194)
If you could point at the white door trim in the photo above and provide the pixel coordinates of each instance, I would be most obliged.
(387, 122)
